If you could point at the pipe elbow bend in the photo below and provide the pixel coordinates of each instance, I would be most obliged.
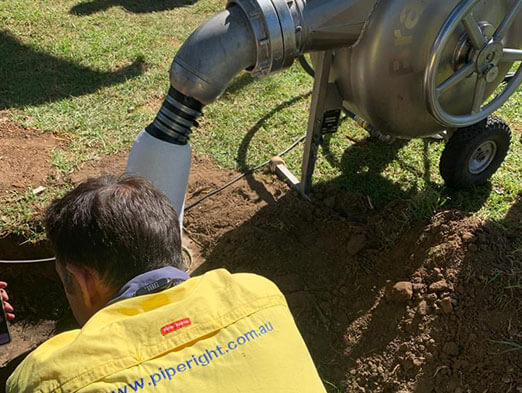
(213, 55)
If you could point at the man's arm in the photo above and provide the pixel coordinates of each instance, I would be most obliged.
(5, 298)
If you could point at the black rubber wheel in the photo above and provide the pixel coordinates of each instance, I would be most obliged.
(473, 154)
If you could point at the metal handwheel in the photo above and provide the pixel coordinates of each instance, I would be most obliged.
(487, 52)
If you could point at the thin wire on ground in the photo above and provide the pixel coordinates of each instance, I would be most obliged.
(246, 173)
(16, 261)
(190, 206)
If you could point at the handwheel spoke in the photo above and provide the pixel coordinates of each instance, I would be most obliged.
(474, 31)
(508, 21)
(480, 92)
(456, 78)
(512, 55)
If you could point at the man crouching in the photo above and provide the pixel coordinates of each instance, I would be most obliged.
(148, 326)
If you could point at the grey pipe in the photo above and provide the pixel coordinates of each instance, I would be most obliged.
(213, 55)
(262, 36)
(334, 23)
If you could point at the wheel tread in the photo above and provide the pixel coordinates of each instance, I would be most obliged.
(453, 162)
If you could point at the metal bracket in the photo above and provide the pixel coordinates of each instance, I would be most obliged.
(325, 112)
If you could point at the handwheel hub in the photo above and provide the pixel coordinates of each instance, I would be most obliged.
(482, 157)
(489, 57)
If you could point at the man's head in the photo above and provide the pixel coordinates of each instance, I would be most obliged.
(107, 231)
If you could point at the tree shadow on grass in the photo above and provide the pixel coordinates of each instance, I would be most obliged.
(31, 77)
(135, 6)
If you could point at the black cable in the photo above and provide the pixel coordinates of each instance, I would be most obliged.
(246, 173)
(306, 66)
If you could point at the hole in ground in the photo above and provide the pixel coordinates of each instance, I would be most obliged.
(36, 293)
(35, 289)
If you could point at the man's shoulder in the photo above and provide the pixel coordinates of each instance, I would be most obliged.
(211, 301)
(249, 281)
(36, 363)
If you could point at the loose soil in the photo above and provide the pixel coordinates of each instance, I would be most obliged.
(24, 156)
(435, 308)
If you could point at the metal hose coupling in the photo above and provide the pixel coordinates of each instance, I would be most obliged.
(175, 119)
(276, 25)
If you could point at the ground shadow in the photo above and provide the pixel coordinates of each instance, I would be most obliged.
(485, 326)
(242, 153)
(335, 273)
(315, 256)
(362, 169)
(135, 6)
(239, 83)
(31, 77)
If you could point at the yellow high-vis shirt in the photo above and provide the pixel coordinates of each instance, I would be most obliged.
(219, 332)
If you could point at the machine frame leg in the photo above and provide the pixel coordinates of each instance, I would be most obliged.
(325, 112)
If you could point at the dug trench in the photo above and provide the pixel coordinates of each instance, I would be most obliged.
(384, 306)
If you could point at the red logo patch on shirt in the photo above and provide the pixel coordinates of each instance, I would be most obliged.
(171, 327)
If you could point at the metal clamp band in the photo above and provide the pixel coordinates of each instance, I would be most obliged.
(288, 29)
(273, 25)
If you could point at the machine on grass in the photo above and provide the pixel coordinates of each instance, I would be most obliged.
(408, 68)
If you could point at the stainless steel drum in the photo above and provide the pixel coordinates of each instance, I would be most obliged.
(423, 66)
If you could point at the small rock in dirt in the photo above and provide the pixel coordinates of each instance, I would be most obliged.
(418, 287)
(467, 236)
(431, 297)
(451, 348)
(422, 308)
(417, 363)
(439, 286)
(356, 244)
(401, 292)
(410, 363)
(446, 305)
(39, 190)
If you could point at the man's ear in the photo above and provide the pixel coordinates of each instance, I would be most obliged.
(86, 282)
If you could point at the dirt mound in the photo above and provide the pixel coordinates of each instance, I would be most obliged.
(457, 329)
(434, 309)
(453, 322)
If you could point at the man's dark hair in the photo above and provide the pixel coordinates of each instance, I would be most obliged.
(119, 226)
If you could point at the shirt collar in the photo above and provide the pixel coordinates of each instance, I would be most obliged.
(131, 288)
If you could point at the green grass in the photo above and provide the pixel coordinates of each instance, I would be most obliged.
(99, 78)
